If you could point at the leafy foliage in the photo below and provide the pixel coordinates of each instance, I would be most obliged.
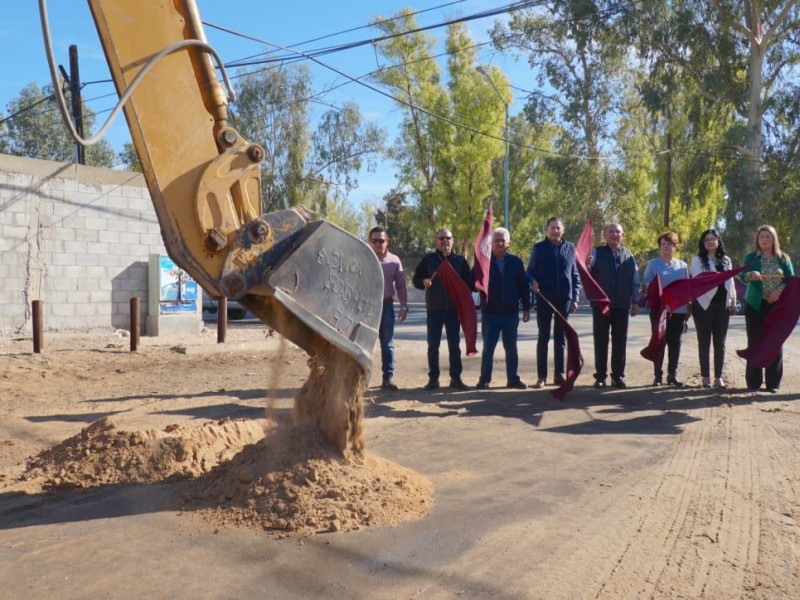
(36, 130)
(313, 167)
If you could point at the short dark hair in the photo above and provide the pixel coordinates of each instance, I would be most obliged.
(376, 230)
(551, 219)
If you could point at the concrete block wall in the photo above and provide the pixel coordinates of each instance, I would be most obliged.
(79, 239)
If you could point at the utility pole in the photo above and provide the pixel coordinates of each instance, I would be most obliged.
(505, 140)
(668, 182)
(74, 81)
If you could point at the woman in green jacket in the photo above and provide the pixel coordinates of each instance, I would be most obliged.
(765, 280)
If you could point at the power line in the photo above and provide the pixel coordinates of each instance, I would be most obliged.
(371, 41)
(297, 55)
(25, 109)
(342, 32)
(421, 109)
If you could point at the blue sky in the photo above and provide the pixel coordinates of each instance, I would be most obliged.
(284, 23)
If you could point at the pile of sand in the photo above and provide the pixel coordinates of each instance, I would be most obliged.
(292, 481)
(100, 454)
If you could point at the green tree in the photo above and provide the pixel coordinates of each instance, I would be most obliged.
(272, 110)
(577, 56)
(397, 218)
(342, 145)
(36, 131)
(741, 55)
(315, 167)
(450, 135)
(129, 158)
(534, 192)
(425, 138)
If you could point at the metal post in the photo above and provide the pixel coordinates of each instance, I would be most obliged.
(222, 319)
(505, 141)
(135, 320)
(38, 328)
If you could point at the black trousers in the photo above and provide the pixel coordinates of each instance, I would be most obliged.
(754, 376)
(616, 323)
(674, 332)
(711, 324)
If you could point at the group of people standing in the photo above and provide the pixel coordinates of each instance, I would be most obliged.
(552, 278)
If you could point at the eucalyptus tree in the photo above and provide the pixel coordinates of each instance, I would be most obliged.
(129, 159)
(743, 56)
(272, 109)
(313, 160)
(34, 129)
(576, 57)
(342, 145)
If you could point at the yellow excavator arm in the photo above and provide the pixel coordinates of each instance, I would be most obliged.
(311, 281)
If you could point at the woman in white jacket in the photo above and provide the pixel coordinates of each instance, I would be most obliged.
(712, 311)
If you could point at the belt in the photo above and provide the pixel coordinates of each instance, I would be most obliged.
(389, 299)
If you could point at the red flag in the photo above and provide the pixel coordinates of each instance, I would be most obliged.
(658, 337)
(483, 253)
(683, 291)
(583, 249)
(459, 292)
(574, 356)
(780, 322)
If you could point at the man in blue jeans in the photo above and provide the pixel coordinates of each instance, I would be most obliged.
(554, 277)
(508, 290)
(441, 308)
(394, 281)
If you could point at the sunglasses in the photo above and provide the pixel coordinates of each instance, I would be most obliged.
(376, 241)
(445, 237)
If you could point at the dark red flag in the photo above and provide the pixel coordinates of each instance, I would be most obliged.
(483, 253)
(778, 325)
(683, 291)
(583, 249)
(459, 292)
(574, 356)
(658, 336)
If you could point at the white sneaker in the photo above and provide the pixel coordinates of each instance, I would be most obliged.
(706, 382)
(719, 383)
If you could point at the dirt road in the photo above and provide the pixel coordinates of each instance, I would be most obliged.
(638, 493)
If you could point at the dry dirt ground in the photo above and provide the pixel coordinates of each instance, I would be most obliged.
(638, 493)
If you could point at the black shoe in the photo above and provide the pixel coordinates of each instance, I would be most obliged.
(773, 390)
(433, 384)
(599, 383)
(559, 380)
(458, 384)
(482, 385)
(672, 380)
(517, 385)
(657, 381)
(619, 382)
(388, 384)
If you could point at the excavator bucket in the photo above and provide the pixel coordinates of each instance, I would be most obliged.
(312, 282)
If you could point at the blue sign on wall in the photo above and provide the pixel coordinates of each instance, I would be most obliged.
(177, 291)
